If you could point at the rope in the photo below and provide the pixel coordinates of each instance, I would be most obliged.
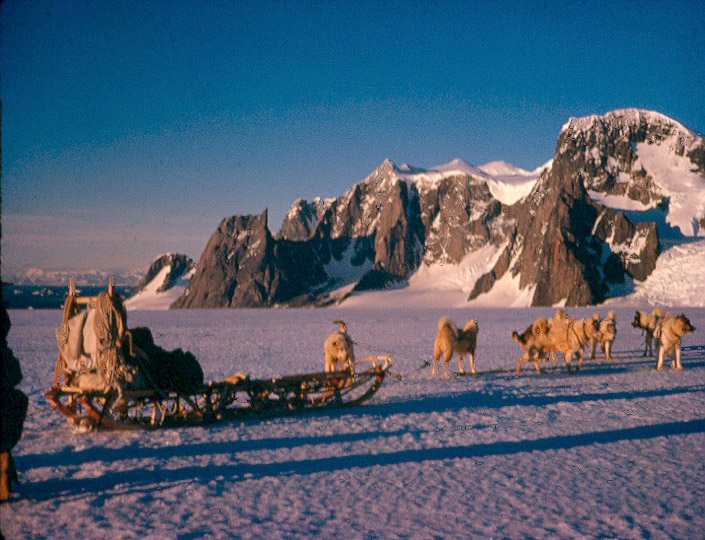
(396, 376)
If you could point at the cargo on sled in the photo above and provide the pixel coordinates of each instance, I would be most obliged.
(110, 377)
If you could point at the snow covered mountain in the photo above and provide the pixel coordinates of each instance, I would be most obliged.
(586, 226)
(82, 278)
(165, 281)
(638, 160)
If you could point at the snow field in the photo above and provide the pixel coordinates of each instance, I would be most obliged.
(613, 451)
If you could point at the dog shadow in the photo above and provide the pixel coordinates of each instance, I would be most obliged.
(138, 480)
(496, 400)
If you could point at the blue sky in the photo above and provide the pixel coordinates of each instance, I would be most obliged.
(132, 128)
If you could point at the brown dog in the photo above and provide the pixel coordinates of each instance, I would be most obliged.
(534, 341)
(569, 336)
(670, 331)
(563, 335)
(605, 336)
(338, 348)
(451, 339)
(648, 322)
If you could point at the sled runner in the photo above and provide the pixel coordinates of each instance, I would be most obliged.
(117, 378)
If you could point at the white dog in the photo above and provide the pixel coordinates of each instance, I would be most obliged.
(338, 348)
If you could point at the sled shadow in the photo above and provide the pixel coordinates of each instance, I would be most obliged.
(140, 479)
(68, 456)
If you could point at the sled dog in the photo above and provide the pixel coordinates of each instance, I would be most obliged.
(338, 348)
(534, 341)
(451, 339)
(605, 336)
(559, 335)
(648, 322)
(670, 331)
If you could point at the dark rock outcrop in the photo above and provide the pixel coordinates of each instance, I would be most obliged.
(302, 218)
(244, 266)
(178, 264)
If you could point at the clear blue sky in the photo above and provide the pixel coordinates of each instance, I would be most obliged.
(132, 128)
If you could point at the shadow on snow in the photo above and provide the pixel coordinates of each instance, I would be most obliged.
(136, 479)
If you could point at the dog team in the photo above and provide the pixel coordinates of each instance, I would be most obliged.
(540, 341)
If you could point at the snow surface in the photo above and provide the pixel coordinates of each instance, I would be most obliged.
(677, 280)
(684, 187)
(149, 298)
(507, 183)
(433, 285)
(613, 451)
(618, 202)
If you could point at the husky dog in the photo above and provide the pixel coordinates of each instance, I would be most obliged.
(451, 339)
(605, 336)
(338, 348)
(648, 322)
(534, 341)
(563, 335)
(670, 331)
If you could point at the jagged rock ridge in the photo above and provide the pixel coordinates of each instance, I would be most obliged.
(178, 264)
(554, 231)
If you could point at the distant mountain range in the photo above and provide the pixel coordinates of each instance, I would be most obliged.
(85, 278)
(587, 226)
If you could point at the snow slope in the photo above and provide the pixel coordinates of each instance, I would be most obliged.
(685, 188)
(613, 451)
(677, 280)
(150, 298)
(507, 183)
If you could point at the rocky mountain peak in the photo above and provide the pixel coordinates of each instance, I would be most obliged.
(633, 159)
(550, 236)
(176, 264)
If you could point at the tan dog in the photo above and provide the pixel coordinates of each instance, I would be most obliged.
(648, 322)
(338, 348)
(671, 330)
(605, 336)
(451, 339)
(563, 335)
(534, 341)
(569, 336)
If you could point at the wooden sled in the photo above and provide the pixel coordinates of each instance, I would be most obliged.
(234, 397)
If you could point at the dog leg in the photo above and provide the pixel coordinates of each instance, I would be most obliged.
(471, 355)
(538, 356)
(580, 361)
(568, 358)
(461, 368)
(659, 362)
(679, 367)
(446, 361)
(608, 351)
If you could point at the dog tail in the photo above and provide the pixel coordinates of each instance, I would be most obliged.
(519, 339)
(445, 322)
(343, 326)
